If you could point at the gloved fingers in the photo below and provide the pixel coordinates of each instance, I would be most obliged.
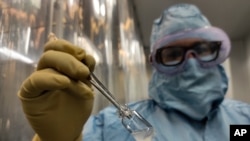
(41, 81)
(65, 64)
(90, 62)
(87, 82)
(67, 47)
(80, 89)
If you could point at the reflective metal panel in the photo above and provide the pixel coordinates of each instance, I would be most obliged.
(13, 125)
(131, 55)
(21, 39)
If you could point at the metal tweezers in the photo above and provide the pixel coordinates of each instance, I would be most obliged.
(131, 120)
(123, 110)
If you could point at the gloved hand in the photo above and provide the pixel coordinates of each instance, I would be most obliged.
(57, 98)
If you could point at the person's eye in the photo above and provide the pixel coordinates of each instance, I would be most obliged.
(171, 55)
(204, 49)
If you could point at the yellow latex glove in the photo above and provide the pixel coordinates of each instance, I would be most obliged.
(57, 98)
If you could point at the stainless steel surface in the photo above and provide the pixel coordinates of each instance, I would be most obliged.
(20, 47)
(13, 125)
(132, 56)
(103, 28)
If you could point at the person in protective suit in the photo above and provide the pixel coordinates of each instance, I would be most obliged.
(187, 87)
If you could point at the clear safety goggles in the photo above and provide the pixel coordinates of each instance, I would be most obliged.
(204, 51)
(212, 49)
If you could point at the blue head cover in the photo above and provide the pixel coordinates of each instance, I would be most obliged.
(178, 18)
(192, 88)
(185, 21)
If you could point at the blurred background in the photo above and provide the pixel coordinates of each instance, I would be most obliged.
(116, 33)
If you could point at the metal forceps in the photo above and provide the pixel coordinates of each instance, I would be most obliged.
(131, 119)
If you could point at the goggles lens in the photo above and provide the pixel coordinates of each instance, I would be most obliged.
(174, 55)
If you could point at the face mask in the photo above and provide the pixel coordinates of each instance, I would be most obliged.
(194, 92)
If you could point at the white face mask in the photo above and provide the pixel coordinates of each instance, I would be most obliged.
(194, 92)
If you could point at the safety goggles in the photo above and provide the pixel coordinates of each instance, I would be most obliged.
(171, 59)
(204, 51)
